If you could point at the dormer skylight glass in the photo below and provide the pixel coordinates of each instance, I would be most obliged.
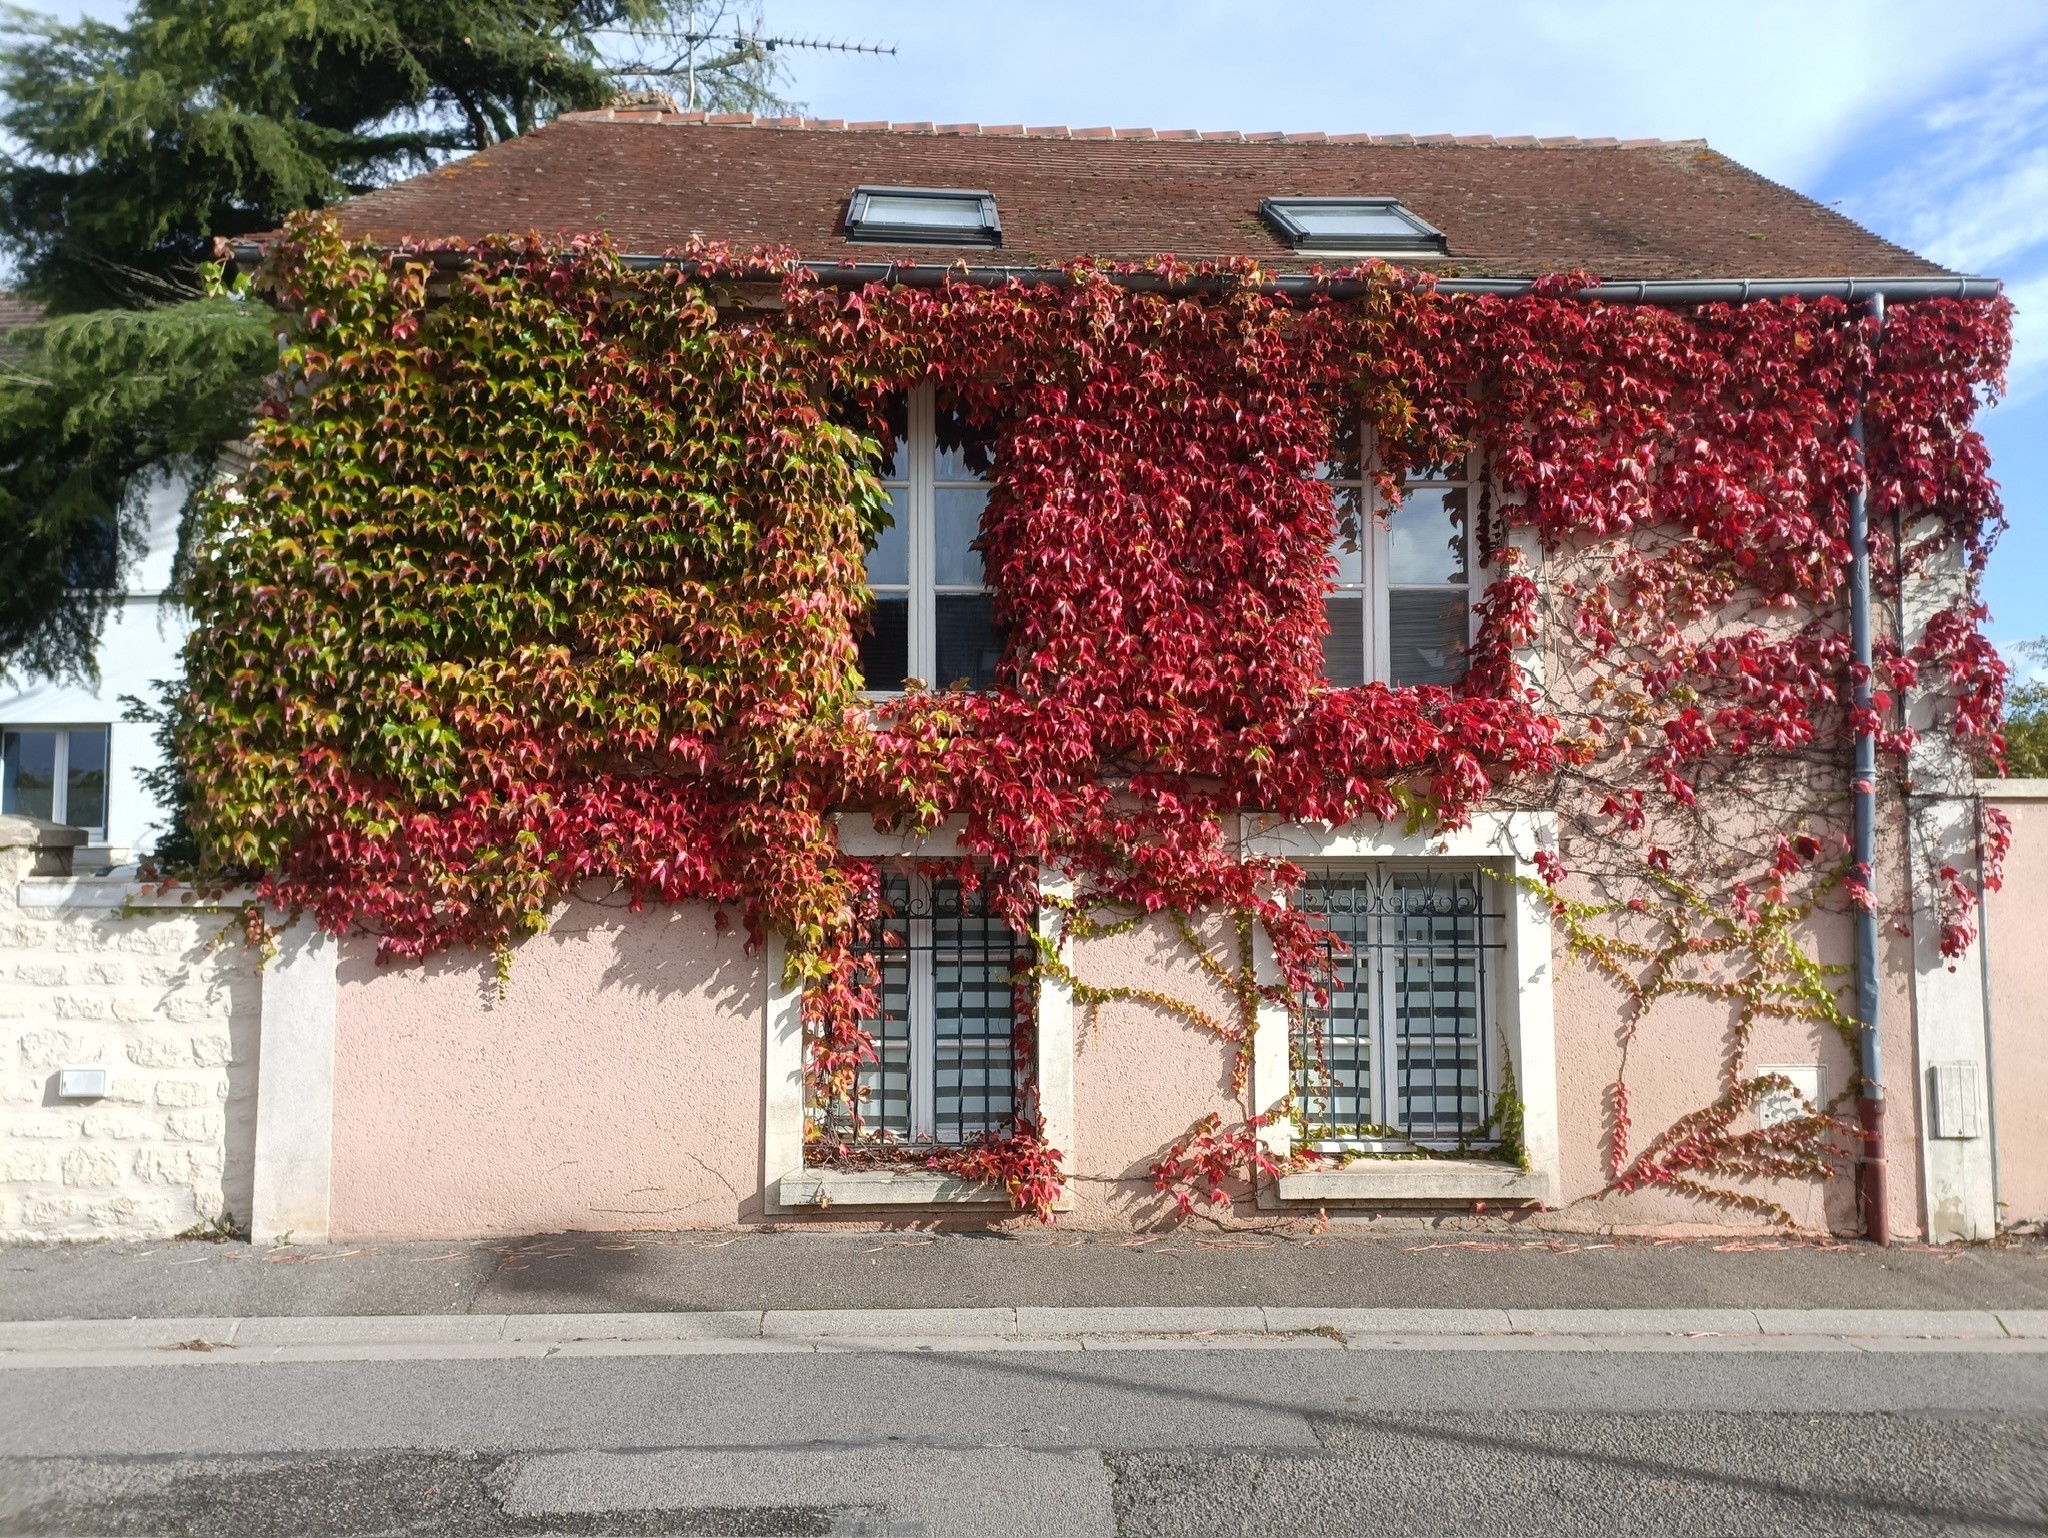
(1352, 227)
(923, 216)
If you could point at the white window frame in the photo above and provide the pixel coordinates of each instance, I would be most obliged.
(60, 789)
(787, 1186)
(1507, 843)
(1376, 553)
(921, 487)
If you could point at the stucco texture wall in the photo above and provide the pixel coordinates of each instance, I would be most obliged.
(615, 1085)
(1144, 1075)
(171, 1015)
(2017, 923)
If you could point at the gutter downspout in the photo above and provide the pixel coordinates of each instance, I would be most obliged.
(1877, 1224)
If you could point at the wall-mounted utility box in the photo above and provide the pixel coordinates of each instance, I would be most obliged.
(1779, 1106)
(1954, 1100)
(81, 1083)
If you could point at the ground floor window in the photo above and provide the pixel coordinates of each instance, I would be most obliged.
(1402, 1053)
(58, 773)
(946, 1031)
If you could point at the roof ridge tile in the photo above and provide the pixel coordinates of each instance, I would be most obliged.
(698, 118)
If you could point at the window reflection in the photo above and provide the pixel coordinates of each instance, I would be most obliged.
(1426, 538)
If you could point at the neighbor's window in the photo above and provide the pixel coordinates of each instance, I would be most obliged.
(1401, 1055)
(933, 617)
(945, 1036)
(58, 773)
(1400, 609)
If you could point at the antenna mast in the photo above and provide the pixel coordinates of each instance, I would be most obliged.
(741, 46)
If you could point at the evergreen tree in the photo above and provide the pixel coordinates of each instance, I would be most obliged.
(136, 144)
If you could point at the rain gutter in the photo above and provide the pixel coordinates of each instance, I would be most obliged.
(1302, 284)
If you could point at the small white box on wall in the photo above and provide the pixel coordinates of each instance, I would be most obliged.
(1953, 1099)
(81, 1083)
(1780, 1106)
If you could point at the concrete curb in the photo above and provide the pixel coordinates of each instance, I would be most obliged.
(85, 1342)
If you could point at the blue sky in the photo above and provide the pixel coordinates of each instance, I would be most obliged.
(1932, 132)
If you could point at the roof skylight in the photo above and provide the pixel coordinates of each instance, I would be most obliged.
(923, 216)
(1352, 227)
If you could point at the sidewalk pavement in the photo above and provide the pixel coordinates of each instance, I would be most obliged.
(67, 1343)
(757, 1272)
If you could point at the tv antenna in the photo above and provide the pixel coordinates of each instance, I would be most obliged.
(740, 48)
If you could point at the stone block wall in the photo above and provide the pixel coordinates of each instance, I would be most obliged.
(168, 1013)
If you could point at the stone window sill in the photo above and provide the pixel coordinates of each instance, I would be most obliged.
(822, 1190)
(1421, 1181)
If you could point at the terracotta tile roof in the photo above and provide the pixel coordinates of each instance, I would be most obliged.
(18, 310)
(1511, 207)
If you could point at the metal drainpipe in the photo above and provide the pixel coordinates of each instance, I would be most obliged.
(1877, 1224)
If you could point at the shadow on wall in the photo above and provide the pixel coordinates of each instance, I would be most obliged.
(671, 959)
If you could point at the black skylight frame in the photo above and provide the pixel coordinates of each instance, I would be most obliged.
(1421, 238)
(878, 228)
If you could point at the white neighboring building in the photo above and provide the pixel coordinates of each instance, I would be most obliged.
(68, 755)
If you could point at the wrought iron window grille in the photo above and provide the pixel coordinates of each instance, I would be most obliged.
(1402, 1057)
(946, 1033)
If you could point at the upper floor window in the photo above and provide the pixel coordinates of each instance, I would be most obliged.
(933, 616)
(58, 773)
(1400, 608)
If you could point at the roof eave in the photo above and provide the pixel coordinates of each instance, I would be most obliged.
(840, 273)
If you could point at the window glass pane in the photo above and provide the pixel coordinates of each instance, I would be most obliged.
(1346, 451)
(973, 1004)
(1360, 221)
(1427, 541)
(31, 774)
(964, 453)
(889, 561)
(85, 780)
(886, 1104)
(956, 562)
(1433, 937)
(1344, 646)
(895, 465)
(970, 645)
(1416, 474)
(1352, 532)
(937, 213)
(885, 649)
(1426, 636)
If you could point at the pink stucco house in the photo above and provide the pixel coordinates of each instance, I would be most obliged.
(646, 1071)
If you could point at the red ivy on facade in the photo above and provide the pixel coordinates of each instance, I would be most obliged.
(548, 571)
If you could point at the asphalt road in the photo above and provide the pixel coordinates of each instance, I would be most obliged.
(1167, 1440)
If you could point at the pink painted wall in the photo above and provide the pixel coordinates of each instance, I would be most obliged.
(616, 1085)
(1676, 1064)
(1142, 1075)
(2018, 921)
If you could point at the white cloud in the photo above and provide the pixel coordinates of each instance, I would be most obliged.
(1970, 190)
